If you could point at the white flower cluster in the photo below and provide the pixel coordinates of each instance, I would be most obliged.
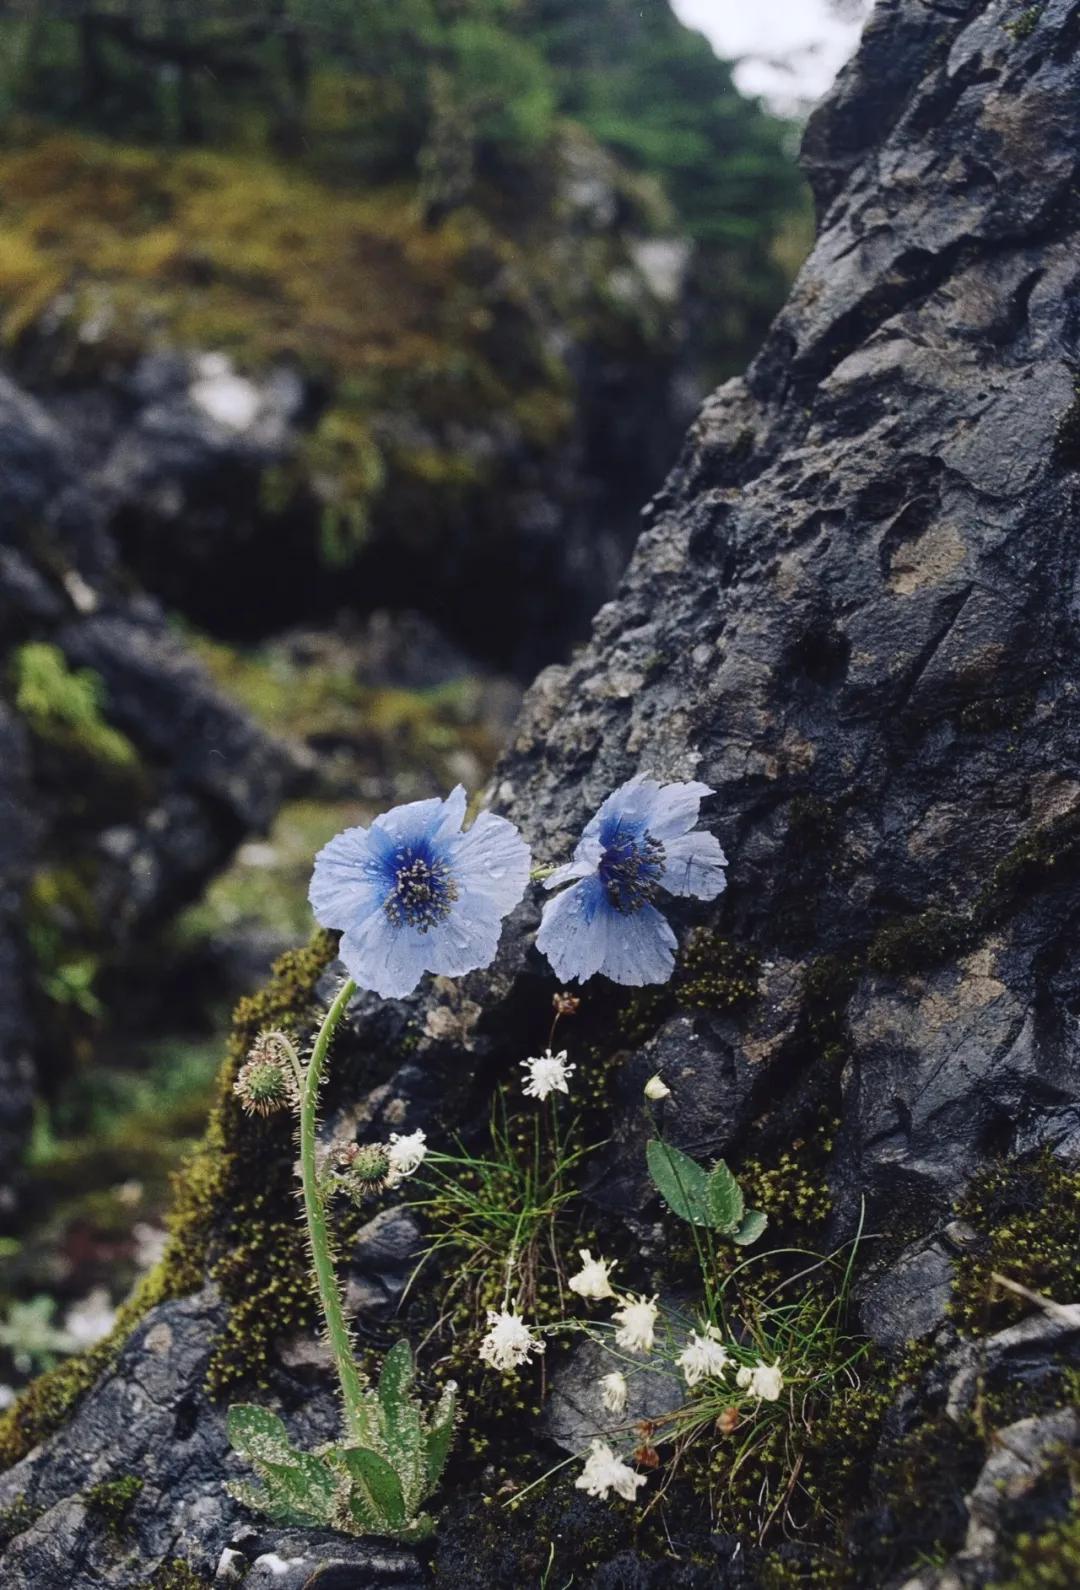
(406, 1155)
(604, 1472)
(704, 1357)
(509, 1341)
(547, 1073)
(592, 1279)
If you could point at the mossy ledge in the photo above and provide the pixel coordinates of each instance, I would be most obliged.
(219, 1228)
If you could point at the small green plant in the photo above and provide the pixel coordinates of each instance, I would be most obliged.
(66, 705)
(509, 1202)
(391, 1458)
(710, 1198)
(373, 1486)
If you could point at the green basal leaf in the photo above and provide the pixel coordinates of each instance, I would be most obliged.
(374, 1483)
(753, 1226)
(681, 1182)
(401, 1435)
(725, 1200)
(257, 1434)
(440, 1435)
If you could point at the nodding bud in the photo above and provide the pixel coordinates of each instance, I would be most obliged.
(646, 1457)
(267, 1080)
(366, 1170)
(728, 1421)
(565, 1004)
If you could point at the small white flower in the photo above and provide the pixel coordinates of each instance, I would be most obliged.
(613, 1391)
(656, 1088)
(406, 1155)
(592, 1279)
(763, 1381)
(704, 1356)
(548, 1073)
(604, 1472)
(509, 1341)
(636, 1319)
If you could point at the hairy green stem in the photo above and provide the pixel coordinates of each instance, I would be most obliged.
(322, 1257)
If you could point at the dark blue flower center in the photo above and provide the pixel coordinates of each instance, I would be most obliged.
(630, 868)
(422, 890)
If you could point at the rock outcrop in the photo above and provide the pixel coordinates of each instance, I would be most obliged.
(853, 613)
(126, 779)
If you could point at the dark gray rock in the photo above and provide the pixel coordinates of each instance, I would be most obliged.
(909, 1300)
(853, 613)
(574, 1412)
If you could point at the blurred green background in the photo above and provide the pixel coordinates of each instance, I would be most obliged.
(370, 326)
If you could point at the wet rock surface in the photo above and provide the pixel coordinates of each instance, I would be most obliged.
(853, 613)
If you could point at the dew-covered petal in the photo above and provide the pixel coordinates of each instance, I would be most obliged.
(586, 859)
(490, 859)
(639, 948)
(573, 931)
(348, 880)
(389, 960)
(468, 939)
(416, 821)
(665, 810)
(694, 864)
(453, 814)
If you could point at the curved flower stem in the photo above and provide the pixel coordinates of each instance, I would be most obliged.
(322, 1257)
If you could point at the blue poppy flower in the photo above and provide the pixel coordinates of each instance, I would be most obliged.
(415, 894)
(640, 841)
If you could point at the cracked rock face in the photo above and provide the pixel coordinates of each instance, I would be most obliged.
(853, 612)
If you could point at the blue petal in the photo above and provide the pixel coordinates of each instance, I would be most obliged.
(573, 931)
(384, 958)
(639, 948)
(416, 821)
(490, 860)
(644, 803)
(468, 939)
(694, 864)
(674, 810)
(348, 880)
(586, 859)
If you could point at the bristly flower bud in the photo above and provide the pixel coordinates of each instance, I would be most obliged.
(368, 1168)
(267, 1081)
(565, 1004)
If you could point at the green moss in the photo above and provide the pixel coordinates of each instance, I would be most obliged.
(1036, 860)
(112, 1501)
(793, 1189)
(916, 943)
(1049, 1560)
(16, 1519)
(714, 973)
(1023, 26)
(66, 706)
(175, 1575)
(1027, 1214)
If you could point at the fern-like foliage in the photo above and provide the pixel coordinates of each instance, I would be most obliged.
(703, 1197)
(377, 1488)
